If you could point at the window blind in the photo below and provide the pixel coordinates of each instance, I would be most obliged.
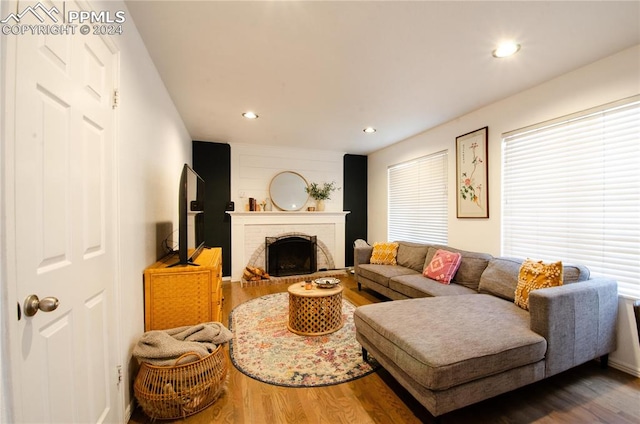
(571, 192)
(417, 200)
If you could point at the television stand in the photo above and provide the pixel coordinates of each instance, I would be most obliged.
(175, 296)
(190, 263)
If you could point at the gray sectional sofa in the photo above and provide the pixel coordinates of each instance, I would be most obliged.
(454, 345)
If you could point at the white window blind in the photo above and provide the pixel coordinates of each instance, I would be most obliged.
(571, 192)
(417, 196)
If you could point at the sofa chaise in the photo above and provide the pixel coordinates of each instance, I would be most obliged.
(452, 345)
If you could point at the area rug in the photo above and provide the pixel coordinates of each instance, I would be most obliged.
(264, 349)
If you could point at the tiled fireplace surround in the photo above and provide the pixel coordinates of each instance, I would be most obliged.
(249, 229)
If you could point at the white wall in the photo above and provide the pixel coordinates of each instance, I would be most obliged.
(153, 144)
(607, 80)
(253, 167)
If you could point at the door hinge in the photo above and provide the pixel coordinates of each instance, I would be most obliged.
(116, 99)
(119, 374)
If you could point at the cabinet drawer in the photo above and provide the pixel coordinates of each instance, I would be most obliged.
(174, 300)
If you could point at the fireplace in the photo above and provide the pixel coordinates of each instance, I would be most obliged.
(249, 229)
(291, 255)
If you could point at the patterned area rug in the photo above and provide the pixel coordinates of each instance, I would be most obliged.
(264, 349)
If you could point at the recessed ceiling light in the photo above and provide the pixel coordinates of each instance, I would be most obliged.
(506, 49)
(369, 130)
(250, 115)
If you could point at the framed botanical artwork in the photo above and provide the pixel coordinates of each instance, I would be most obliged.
(472, 190)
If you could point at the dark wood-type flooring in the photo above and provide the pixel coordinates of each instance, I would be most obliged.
(585, 394)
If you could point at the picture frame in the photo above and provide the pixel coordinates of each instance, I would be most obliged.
(472, 188)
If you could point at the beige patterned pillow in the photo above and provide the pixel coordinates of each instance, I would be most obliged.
(384, 253)
(536, 275)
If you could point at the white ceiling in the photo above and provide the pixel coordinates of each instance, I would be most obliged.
(317, 73)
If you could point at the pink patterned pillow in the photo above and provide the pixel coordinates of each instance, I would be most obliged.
(443, 266)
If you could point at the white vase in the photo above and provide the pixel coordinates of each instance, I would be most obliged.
(319, 205)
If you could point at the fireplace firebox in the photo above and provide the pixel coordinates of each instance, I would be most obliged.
(291, 255)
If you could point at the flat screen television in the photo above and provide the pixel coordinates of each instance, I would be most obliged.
(190, 216)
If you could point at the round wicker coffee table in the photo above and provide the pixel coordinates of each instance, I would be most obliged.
(314, 312)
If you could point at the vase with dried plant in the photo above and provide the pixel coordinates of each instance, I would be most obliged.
(320, 193)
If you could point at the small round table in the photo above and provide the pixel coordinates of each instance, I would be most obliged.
(314, 312)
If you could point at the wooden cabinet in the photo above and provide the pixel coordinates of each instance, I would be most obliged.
(185, 294)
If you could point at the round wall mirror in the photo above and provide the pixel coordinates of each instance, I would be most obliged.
(288, 191)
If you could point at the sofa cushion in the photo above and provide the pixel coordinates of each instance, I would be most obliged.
(412, 255)
(443, 266)
(415, 285)
(536, 275)
(574, 273)
(384, 253)
(452, 339)
(501, 276)
(382, 273)
(471, 266)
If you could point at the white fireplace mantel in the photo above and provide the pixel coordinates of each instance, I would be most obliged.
(288, 216)
(278, 222)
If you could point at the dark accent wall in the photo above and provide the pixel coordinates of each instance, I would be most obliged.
(354, 189)
(212, 161)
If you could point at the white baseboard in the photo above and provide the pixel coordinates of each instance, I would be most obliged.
(128, 411)
(624, 368)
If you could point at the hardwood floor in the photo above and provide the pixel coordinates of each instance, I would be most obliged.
(585, 394)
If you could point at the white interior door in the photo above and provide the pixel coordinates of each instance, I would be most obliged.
(64, 226)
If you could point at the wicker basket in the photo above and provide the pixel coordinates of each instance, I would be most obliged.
(181, 390)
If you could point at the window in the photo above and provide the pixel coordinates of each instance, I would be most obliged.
(417, 209)
(571, 191)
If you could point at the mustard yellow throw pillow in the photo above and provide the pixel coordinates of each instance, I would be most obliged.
(536, 275)
(384, 253)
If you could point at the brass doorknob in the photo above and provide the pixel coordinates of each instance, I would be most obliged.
(32, 305)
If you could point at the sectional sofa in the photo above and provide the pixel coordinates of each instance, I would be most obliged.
(452, 345)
